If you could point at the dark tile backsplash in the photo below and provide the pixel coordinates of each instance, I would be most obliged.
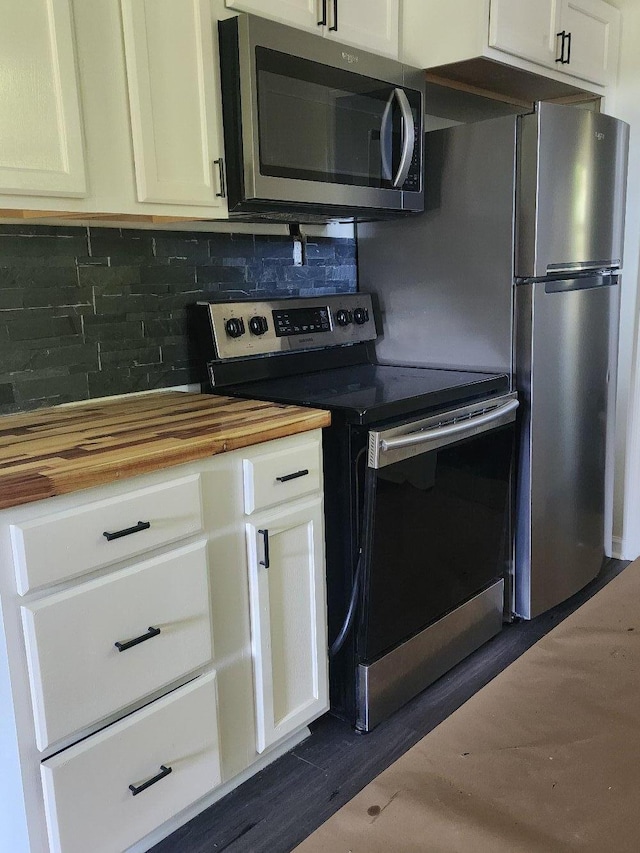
(88, 312)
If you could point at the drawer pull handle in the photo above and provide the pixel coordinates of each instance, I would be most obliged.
(151, 632)
(141, 525)
(265, 535)
(287, 477)
(164, 771)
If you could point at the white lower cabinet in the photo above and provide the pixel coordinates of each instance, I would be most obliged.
(99, 646)
(288, 619)
(143, 676)
(111, 789)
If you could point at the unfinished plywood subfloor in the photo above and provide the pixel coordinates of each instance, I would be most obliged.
(544, 759)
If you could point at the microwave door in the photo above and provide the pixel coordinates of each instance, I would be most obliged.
(328, 128)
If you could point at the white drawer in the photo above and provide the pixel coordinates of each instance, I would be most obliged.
(88, 800)
(65, 544)
(277, 476)
(78, 675)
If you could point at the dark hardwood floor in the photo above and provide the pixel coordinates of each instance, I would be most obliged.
(276, 809)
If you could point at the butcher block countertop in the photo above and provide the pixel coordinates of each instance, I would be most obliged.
(62, 449)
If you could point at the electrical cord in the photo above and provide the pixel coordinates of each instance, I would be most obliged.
(348, 621)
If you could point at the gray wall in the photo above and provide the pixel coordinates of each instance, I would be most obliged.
(88, 312)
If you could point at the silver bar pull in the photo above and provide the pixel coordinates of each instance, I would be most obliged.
(408, 138)
(428, 435)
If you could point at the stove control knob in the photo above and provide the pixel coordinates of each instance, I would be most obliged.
(343, 318)
(234, 327)
(360, 316)
(258, 325)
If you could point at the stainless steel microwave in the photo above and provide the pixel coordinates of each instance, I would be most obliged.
(315, 130)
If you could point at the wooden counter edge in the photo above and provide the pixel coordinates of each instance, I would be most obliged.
(97, 473)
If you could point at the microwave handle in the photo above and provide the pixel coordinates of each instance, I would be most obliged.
(385, 137)
(408, 138)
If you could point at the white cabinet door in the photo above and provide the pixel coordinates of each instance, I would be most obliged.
(99, 646)
(306, 14)
(175, 117)
(594, 31)
(371, 25)
(525, 29)
(167, 752)
(285, 551)
(41, 147)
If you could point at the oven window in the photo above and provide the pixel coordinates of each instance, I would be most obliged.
(438, 535)
(319, 123)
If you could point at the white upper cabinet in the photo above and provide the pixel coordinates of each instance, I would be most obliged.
(521, 33)
(306, 14)
(172, 79)
(593, 32)
(524, 28)
(372, 25)
(41, 145)
(369, 24)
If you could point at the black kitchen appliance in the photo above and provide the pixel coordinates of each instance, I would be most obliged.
(417, 478)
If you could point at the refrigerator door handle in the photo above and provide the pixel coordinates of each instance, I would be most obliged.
(584, 282)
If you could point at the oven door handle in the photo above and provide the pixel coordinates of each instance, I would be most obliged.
(455, 431)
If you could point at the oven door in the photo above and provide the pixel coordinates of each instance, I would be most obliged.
(436, 537)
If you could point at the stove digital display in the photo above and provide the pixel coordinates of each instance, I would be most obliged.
(301, 321)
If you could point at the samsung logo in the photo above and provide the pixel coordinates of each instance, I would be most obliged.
(305, 340)
(351, 58)
(599, 135)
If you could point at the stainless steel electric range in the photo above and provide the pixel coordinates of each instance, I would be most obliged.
(417, 467)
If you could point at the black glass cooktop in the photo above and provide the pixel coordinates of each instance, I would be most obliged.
(364, 393)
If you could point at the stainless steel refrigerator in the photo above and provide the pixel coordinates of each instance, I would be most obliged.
(513, 268)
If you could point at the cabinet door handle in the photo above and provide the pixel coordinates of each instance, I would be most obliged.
(286, 477)
(334, 28)
(118, 534)
(223, 185)
(568, 48)
(563, 36)
(164, 771)
(265, 536)
(127, 644)
(323, 21)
